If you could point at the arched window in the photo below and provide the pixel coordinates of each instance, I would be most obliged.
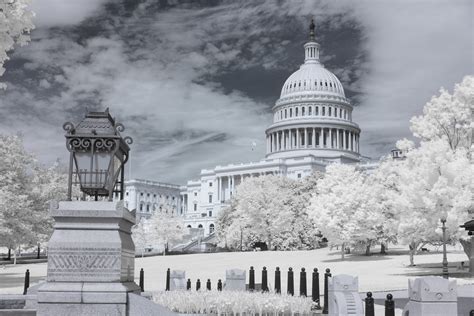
(211, 228)
(285, 114)
(317, 110)
(141, 206)
(310, 109)
(302, 111)
(199, 226)
(291, 112)
(329, 110)
(296, 111)
(189, 226)
(324, 111)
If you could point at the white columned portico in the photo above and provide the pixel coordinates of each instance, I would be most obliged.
(337, 138)
(344, 140)
(305, 137)
(314, 137)
(330, 137)
(297, 138)
(321, 138)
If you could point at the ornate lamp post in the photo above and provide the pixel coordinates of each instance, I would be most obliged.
(445, 258)
(98, 154)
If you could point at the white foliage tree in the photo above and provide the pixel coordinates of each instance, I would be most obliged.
(448, 116)
(344, 208)
(26, 188)
(140, 236)
(16, 212)
(271, 210)
(164, 228)
(436, 179)
(435, 182)
(15, 26)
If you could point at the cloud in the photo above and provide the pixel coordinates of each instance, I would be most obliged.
(51, 13)
(194, 84)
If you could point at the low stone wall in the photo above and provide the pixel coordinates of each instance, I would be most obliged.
(12, 301)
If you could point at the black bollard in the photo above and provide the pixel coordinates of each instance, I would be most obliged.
(219, 285)
(290, 285)
(188, 285)
(198, 285)
(27, 281)
(277, 280)
(303, 282)
(142, 280)
(208, 284)
(389, 306)
(168, 279)
(264, 280)
(38, 252)
(369, 305)
(251, 279)
(326, 298)
(315, 288)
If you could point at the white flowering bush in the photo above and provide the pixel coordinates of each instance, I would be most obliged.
(233, 303)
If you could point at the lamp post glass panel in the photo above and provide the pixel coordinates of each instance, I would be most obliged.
(98, 154)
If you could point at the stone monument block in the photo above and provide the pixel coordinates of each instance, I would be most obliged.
(90, 260)
(235, 280)
(344, 298)
(177, 280)
(432, 296)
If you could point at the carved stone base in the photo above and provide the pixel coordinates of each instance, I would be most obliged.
(90, 260)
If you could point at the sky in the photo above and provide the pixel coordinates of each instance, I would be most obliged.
(193, 82)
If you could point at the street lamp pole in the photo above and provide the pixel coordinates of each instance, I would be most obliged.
(445, 258)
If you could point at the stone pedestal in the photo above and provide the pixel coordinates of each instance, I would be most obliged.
(432, 296)
(235, 280)
(177, 280)
(343, 294)
(90, 260)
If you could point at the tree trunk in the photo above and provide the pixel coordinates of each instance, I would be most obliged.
(382, 249)
(342, 251)
(14, 257)
(9, 254)
(367, 249)
(412, 253)
(38, 253)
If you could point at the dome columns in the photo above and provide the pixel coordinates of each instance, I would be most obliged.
(313, 138)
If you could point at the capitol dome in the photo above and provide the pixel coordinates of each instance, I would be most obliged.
(313, 117)
(310, 78)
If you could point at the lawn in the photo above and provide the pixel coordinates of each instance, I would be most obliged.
(376, 272)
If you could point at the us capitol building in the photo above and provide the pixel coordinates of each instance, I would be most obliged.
(312, 127)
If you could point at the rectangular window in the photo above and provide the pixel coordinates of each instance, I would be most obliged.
(285, 114)
(302, 111)
(330, 111)
(291, 112)
(296, 112)
(317, 110)
(210, 213)
(210, 198)
(310, 110)
(210, 184)
(324, 111)
(195, 207)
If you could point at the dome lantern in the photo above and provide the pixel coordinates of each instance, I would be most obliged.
(311, 48)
